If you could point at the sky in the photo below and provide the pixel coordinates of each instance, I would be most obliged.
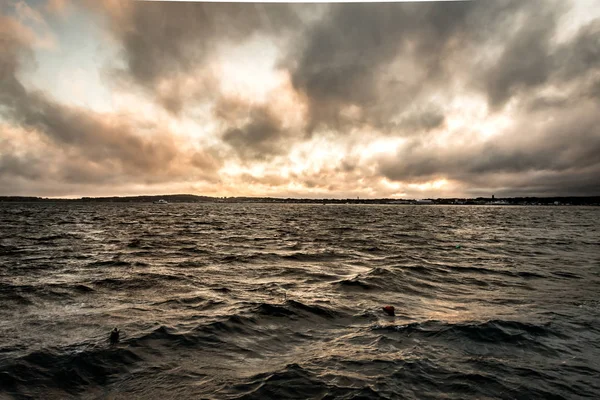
(369, 100)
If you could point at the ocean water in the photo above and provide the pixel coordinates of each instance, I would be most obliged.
(276, 301)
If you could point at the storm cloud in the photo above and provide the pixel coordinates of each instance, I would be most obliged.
(373, 99)
(165, 41)
(73, 144)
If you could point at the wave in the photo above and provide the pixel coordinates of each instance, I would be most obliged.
(276, 258)
(197, 303)
(26, 294)
(51, 238)
(208, 304)
(168, 337)
(313, 257)
(385, 279)
(61, 288)
(71, 369)
(125, 283)
(135, 243)
(296, 382)
(110, 263)
(15, 298)
(373, 249)
(248, 322)
(493, 331)
(220, 289)
(565, 274)
(296, 309)
(376, 278)
(497, 272)
(354, 283)
(8, 250)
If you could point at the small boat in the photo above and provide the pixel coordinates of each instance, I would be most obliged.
(161, 201)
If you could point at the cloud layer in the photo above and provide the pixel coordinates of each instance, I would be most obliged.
(375, 100)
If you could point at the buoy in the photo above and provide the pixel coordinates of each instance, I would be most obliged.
(114, 336)
(389, 310)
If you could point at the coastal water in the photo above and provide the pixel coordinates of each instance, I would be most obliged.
(275, 301)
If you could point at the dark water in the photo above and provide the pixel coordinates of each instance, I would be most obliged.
(284, 301)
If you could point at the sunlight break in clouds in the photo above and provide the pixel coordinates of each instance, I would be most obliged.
(300, 100)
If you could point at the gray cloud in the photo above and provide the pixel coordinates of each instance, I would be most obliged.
(344, 58)
(569, 145)
(351, 56)
(388, 69)
(419, 121)
(525, 61)
(259, 138)
(12, 165)
(253, 131)
(79, 146)
(532, 59)
(164, 39)
(581, 56)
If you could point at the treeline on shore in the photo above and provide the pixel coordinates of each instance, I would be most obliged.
(190, 198)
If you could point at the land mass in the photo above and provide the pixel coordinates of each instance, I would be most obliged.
(190, 198)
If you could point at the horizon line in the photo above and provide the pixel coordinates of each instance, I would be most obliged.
(491, 197)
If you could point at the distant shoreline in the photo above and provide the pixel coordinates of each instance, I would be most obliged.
(189, 198)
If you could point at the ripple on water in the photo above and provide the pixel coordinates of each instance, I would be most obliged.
(284, 301)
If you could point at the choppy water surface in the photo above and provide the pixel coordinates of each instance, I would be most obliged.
(284, 301)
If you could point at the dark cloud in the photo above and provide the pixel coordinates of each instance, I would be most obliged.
(386, 69)
(255, 132)
(546, 102)
(164, 39)
(525, 61)
(259, 138)
(83, 146)
(567, 145)
(100, 138)
(12, 165)
(165, 43)
(385, 57)
(502, 49)
(581, 183)
(419, 121)
(536, 183)
(581, 55)
(347, 56)
(346, 59)
(532, 59)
